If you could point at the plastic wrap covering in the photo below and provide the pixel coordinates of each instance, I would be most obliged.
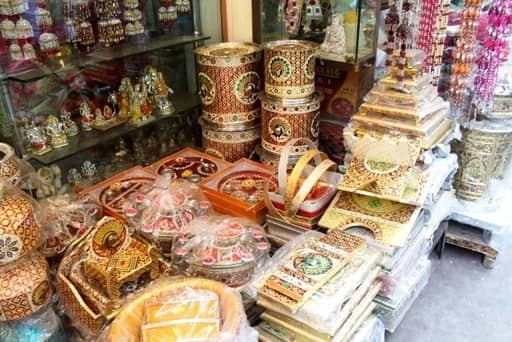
(392, 311)
(372, 330)
(329, 307)
(20, 232)
(162, 214)
(64, 220)
(190, 309)
(44, 326)
(393, 280)
(97, 274)
(14, 171)
(223, 248)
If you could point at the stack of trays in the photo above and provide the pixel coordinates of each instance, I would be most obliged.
(411, 108)
(229, 82)
(390, 191)
(290, 108)
(330, 299)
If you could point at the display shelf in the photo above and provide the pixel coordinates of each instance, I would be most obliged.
(123, 50)
(86, 140)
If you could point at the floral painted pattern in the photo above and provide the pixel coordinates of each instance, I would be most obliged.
(10, 247)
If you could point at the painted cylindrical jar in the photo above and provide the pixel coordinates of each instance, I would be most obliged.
(24, 287)
(484, 154)
(20, 234)
(290, 68)
(282, 121)
(230, 146)
(229, 80)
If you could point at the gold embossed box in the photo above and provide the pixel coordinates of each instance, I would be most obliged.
(239, 190)
(114, 192)
(229, 80)
(24, 287)
(189, 162)
(101, 270)
(290, 68)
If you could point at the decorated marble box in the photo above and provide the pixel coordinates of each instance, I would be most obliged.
(223, 248)
(101, 270)
(189, 164)
(310, 262)
(239, 190)
(113, 193)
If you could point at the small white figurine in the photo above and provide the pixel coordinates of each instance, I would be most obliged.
(334, 41)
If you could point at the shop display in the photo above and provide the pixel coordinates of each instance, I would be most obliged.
(94, 278)
(191, 308)
(189, 164)
(225, 249)
(239, 189)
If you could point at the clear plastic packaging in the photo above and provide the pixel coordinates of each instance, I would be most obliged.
(162, 214)
(44, 326)
(64, 220)
(392, 311)
(187, 309)
(326, 310)
(372, 330)
(330, 253)
(223, 248)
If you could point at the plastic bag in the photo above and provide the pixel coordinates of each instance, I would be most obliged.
(223, 248)
(182, 310)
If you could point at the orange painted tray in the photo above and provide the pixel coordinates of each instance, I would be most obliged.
(239, 189)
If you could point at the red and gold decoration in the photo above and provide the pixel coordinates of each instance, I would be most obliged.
(24, 287)
(290, 69)
(229, 82)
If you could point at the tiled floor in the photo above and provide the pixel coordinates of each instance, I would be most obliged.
(463, 301)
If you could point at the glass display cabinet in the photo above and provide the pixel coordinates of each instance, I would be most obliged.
(352, 23)
(110, 82)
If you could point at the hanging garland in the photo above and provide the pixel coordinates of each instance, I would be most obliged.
(492, 53)
(464, 53)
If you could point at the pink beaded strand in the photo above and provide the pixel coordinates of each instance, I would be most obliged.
(492, 53)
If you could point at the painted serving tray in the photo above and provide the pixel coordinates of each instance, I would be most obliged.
(112, 193)
(189, 162)
(390, 222)
(239, 189)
